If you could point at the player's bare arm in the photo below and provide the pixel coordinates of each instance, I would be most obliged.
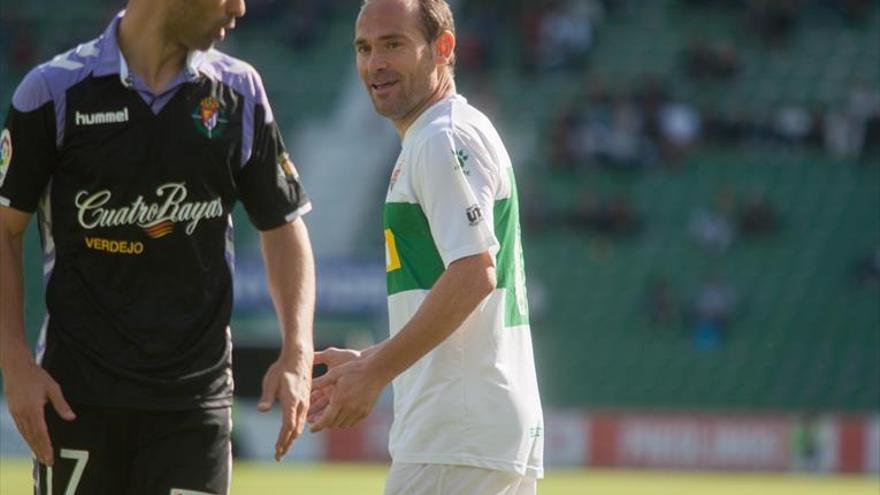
(28, 386)
(290, 274)
(358, 383)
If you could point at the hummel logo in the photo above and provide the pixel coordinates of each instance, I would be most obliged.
(98, 118)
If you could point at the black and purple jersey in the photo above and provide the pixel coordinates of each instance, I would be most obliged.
(134, 192)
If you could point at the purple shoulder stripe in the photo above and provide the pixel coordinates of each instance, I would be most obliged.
(50, 81)
(32, 93)
(244, 79)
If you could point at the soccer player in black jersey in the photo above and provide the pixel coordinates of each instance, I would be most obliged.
(133, 149)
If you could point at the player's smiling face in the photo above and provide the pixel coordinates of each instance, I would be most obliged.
(394, 59)
(198, 24)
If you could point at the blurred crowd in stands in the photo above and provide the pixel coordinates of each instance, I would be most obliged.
(651, 125)
(716, 228)
(630, 131)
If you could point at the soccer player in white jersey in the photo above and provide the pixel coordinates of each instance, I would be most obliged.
(468, 417)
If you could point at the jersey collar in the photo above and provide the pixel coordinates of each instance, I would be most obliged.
(428, 114)
(111, 60)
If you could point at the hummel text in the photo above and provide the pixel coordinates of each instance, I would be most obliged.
(98, 118)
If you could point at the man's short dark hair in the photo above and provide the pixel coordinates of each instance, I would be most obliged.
(436, 17)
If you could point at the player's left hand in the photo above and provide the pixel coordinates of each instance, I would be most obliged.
(353, 390)
(291, 385)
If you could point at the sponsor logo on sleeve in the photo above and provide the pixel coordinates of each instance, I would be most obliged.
(474, 215)
(209, 118)
(286, 169)
(5, 153)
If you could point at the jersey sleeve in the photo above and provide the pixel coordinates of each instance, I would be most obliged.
(268, 183)
(28, 150)
(455, 186)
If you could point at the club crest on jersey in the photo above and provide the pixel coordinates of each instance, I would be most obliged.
(395, 176)
(462, 157)
(5, 153)
(209, 118)
(286, 169)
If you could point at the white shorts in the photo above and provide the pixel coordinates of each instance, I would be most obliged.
(441, 479)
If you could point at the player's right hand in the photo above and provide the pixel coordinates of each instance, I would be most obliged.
(331, 357)
(28, 388)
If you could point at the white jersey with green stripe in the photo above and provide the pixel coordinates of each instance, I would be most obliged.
(474, 399)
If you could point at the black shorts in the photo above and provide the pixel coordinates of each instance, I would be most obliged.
(136, 452)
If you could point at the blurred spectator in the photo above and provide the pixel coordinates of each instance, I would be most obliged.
(845, 128)
(805, 443)
(566, 34)
(680, 127)
(660, 302)
(712, 311)
(561, 153)
(757, 217)
(713, 228)
(702, 61)
(626, 146)
(609, 133)
(584, 128)
(792, 125)
(651, 95)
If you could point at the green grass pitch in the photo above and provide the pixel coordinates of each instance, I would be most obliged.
(249, 478)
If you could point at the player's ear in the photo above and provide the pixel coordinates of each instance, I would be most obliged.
(444, 48)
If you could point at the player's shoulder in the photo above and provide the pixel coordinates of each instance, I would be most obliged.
(52, 78)
(453, 123)
(233, 72)
(433, 126)
(457, 117)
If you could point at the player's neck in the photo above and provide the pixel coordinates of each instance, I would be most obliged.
(147, 50)
(446, 87)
